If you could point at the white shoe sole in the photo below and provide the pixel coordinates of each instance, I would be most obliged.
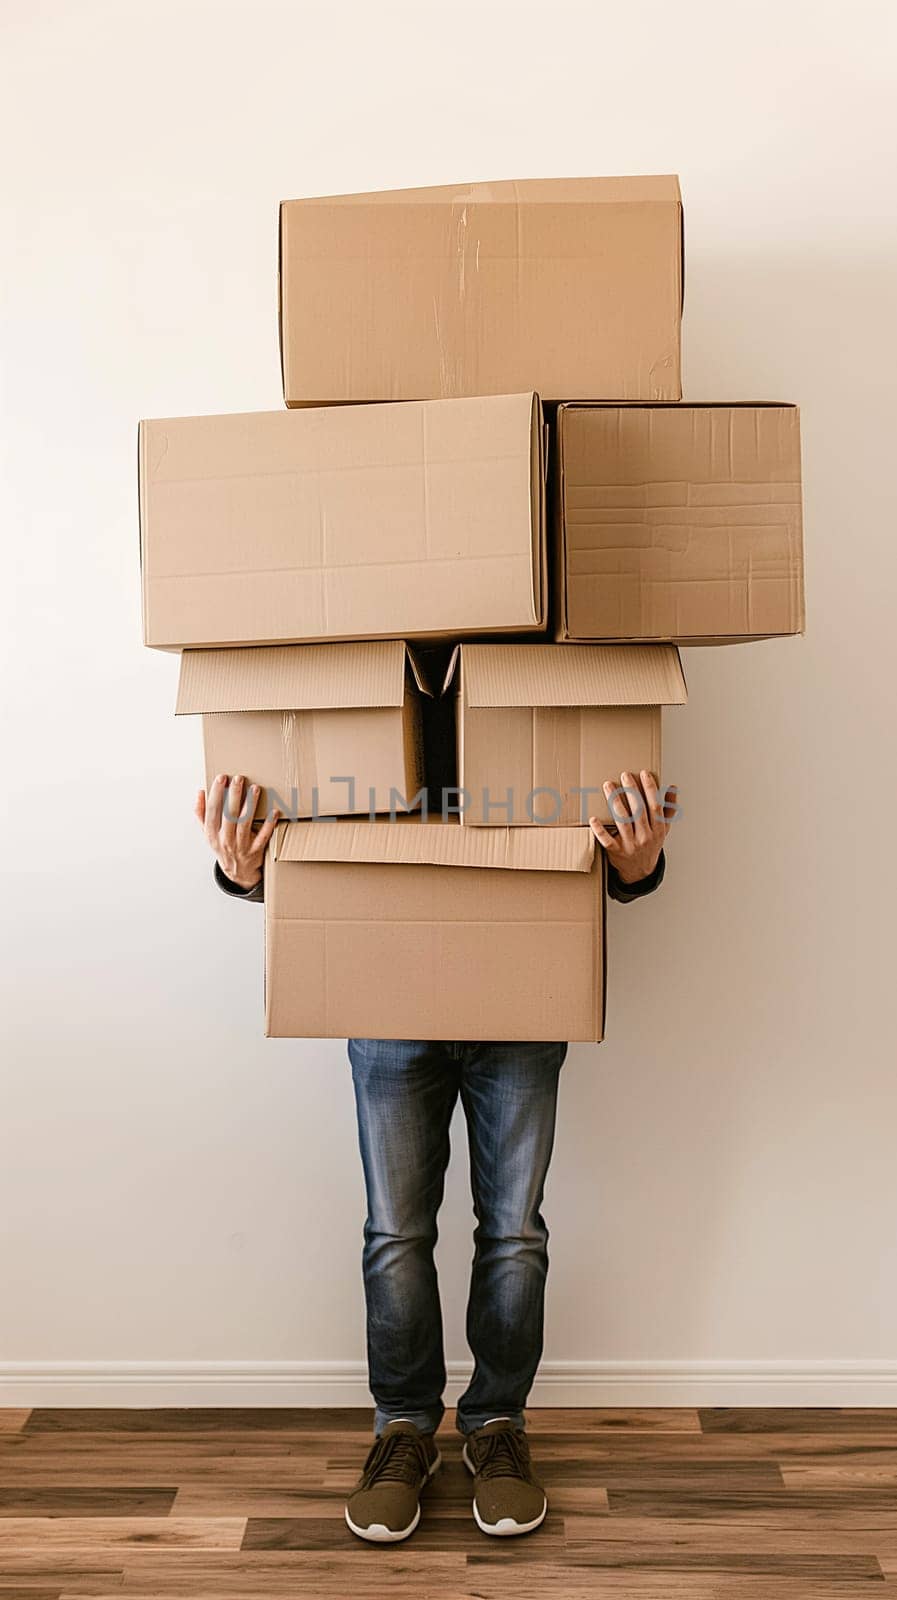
(506, 1527)
(378, 1533)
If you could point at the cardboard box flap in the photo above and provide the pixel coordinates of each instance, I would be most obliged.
(678, 406)
(411, 841)
(644, 188)
(570, 675)
(538, 510)
(309, 677)
(421, 680)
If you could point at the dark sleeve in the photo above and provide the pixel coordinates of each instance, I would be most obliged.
(618, 890)
(258, 893)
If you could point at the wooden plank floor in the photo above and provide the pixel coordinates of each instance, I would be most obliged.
(644, 1505)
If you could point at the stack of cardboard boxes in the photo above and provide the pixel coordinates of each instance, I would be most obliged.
(484, 447)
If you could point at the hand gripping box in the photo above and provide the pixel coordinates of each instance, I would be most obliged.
(427, 930)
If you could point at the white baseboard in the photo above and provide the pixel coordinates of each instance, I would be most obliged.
(344, 1383)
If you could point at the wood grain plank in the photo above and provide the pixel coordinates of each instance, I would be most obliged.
(29, 1594)
(435, 1533)
(211, 1499)
(799, 1449)
(554, 1580)
(759, 1505)
(737, 1535)
(61, 1447)
(100, 1533)
(13, 1418)
(842, 1476)
(613, 1420)
(157, 1465)
(816, 1565)
(363, 1570)
(85, 1500)
(831, 1420)
(566, 1583)
(729, 1586)
(645, 1504)
(716, 1476)
(543, 1580)
(27, 1574)
(370, 1587)
(161, 1467)
(206, 1419)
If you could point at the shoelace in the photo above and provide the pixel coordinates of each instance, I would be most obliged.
(395, 1458)
(504, 1454)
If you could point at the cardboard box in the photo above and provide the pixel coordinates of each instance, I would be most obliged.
(572, 287)
(416, 520)
(426, 930)
(327, 729)
(678, 522)
(540, 727)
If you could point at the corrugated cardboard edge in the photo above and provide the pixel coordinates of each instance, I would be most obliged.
(658, 665)
(601, 1019)
(802, 596)
(267, 879)
(141, 528)
(141, 522)
(681, 270)
(414, 841)
(678, 405)
(559, 543)
(413, 665)
(538, 510)
(197, 694)
(452, 672)
(683, 641)
(280, 313)
(463, 192)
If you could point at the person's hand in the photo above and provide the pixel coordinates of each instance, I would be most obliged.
(643, 818)
(227, 824)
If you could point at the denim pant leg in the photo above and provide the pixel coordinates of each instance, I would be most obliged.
(405, 1091)
(509, 1093)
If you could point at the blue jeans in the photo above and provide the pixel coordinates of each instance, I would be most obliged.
(405, 1092)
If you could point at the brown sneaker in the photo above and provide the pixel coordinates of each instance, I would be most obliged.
(384, 1506)
(506, 1497)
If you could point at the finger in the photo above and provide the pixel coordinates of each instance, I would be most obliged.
(617, 803)
(671, 806)
(231, 807)
(620, 814)
(246, 818)
(638, 805)
(618, 806)
(260, 842)
(214, 804)
(608, 840)
(199, 810)
(652, 796)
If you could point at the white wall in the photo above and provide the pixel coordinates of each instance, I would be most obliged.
(180, 1200)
